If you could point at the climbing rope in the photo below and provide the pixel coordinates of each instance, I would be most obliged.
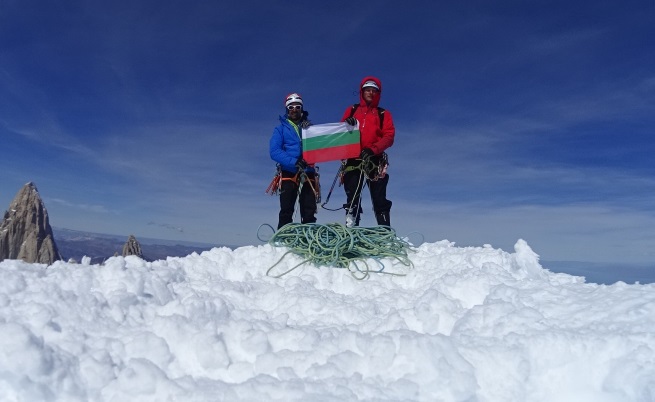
(369, 171)
(337, 246)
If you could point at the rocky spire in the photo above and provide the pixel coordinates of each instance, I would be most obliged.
(25, 232)
(132, 247)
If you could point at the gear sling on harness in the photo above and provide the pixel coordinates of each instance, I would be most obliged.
(300, 178)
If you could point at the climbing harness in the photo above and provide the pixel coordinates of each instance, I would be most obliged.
(374, 171)
(301, 177)
(337, 246)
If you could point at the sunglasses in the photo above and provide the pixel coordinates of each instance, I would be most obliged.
(294, 107)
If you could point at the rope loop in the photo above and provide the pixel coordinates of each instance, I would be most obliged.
(338, 246)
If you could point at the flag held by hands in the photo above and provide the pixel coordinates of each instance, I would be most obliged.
(329, 142)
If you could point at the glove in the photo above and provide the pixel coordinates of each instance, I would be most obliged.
(301, 164)
(351, 121)
(366, 153)
(305, 124)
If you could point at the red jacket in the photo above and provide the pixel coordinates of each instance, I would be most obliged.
(378, 140)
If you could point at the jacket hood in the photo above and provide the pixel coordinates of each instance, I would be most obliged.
(376, 98)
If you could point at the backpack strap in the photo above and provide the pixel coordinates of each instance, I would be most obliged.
(380, 113)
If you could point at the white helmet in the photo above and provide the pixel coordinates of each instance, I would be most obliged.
(293, 98)
(371, 83)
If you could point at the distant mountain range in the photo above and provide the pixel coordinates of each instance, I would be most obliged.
(76, 244)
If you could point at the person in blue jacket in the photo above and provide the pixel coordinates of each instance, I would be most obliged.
(286, 149)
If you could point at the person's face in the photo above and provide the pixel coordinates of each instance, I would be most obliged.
(368, 93)
(294, 111)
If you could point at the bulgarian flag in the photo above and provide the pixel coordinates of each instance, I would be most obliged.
(330, 142)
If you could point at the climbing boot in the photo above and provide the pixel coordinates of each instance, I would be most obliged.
(383, 218)
(352, 219)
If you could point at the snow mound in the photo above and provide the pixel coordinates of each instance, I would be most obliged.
(464, 324)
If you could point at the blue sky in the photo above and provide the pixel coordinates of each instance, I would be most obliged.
(514, 119)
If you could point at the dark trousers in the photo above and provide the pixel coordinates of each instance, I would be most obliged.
(353, 183)
(288, 196)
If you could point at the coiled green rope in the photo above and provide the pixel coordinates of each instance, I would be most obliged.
(337, 246)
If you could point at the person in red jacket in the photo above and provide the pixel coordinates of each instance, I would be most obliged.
(377, 134)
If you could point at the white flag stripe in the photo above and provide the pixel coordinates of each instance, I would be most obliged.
(318, 130)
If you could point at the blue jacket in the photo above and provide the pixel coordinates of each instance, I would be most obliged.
(286, 144)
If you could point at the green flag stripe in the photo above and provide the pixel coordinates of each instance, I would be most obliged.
(331, 140)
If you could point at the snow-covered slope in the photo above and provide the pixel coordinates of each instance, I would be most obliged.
(464, 324)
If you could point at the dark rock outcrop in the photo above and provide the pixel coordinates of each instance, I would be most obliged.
(25, 232)
(132, 247)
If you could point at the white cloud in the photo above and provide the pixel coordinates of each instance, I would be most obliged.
(94, 208)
